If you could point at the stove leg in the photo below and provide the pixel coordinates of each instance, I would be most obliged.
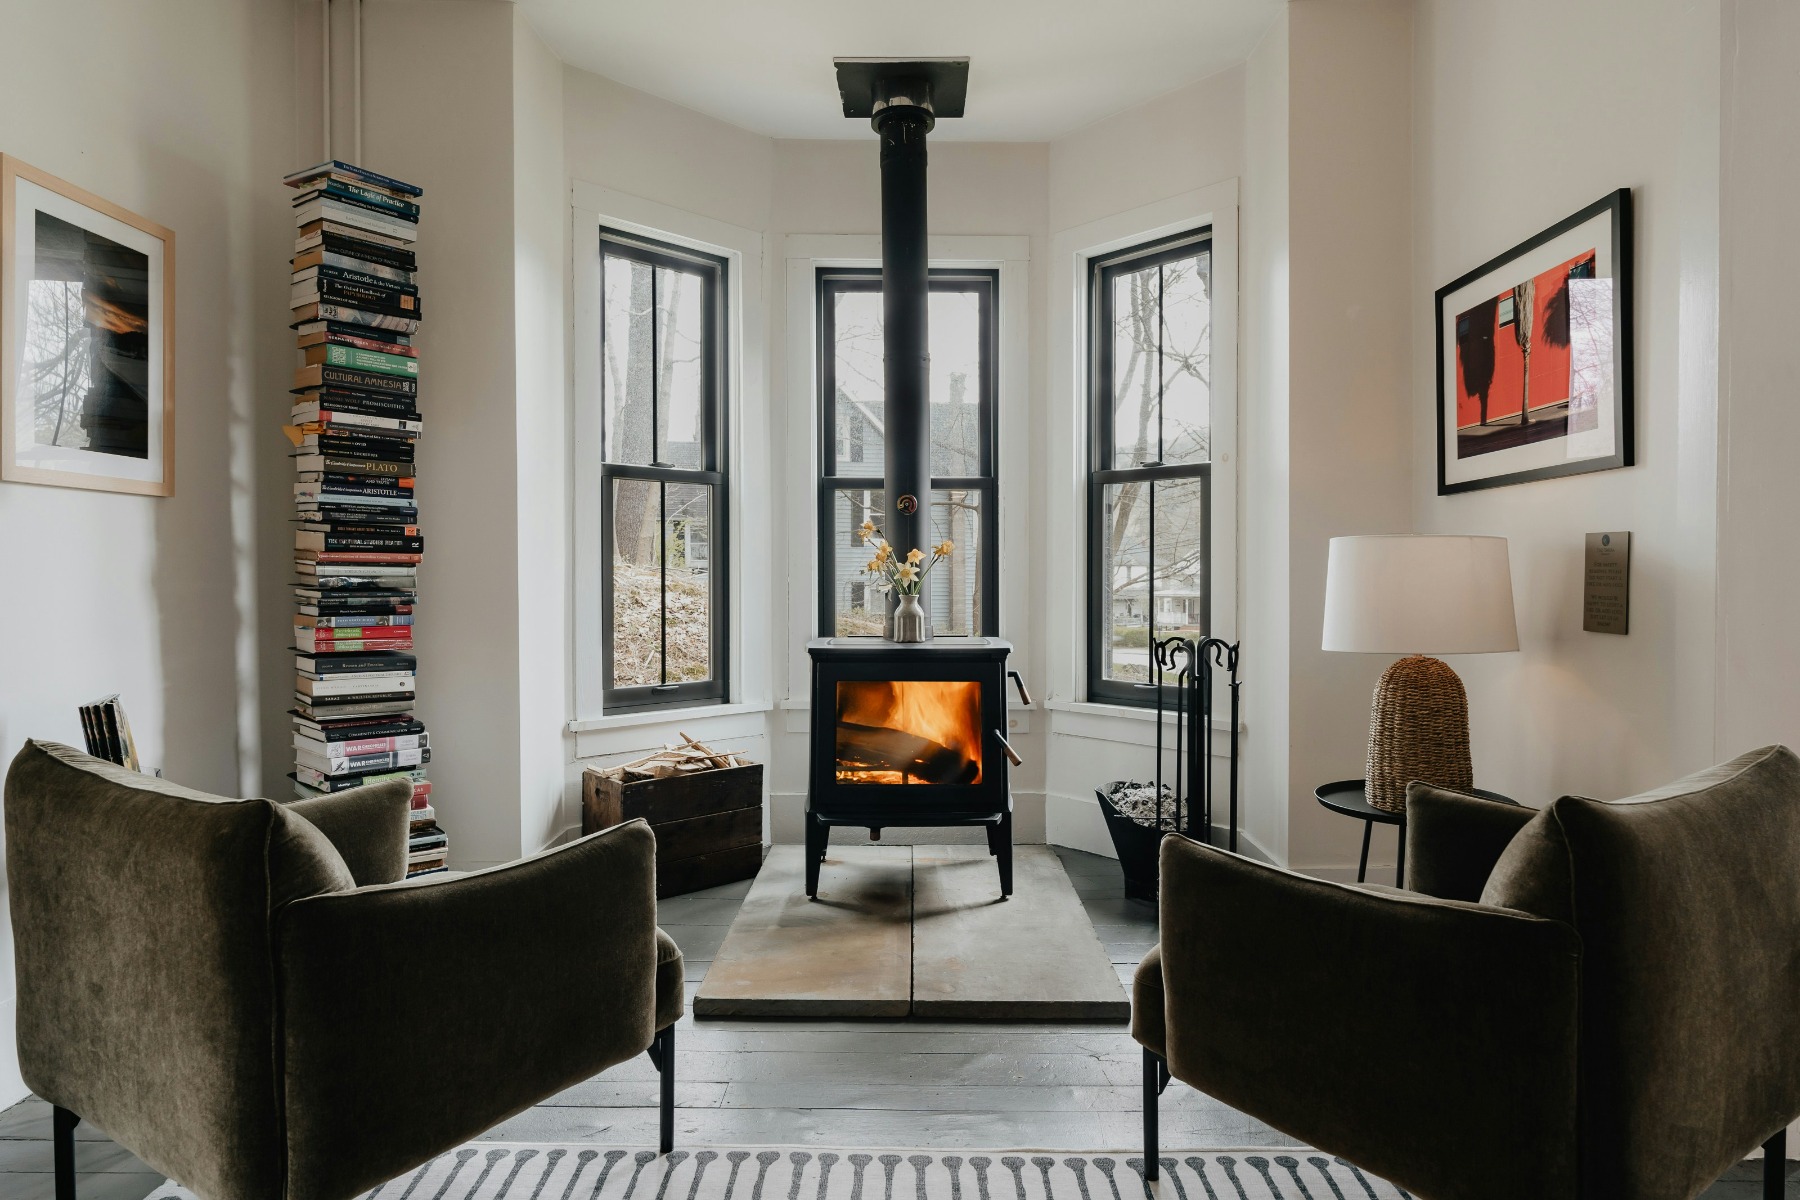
(1000, 845)
(818, 836)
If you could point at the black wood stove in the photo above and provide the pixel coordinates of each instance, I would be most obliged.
(914, 734)
(909, 736)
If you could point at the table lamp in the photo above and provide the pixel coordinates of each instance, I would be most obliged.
(1418, 595)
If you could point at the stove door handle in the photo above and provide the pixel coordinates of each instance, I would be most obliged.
(1024, 696)
(1012, 756)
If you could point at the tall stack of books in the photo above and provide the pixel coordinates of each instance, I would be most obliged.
(357, 546)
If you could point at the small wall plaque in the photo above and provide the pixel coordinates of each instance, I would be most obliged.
(1606, 589)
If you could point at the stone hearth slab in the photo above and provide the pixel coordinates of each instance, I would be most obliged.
(847, 954)
(917, 930)
(1033, 957)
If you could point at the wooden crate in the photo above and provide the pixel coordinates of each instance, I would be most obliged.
(708, 825)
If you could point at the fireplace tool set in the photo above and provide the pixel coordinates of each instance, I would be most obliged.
(1183, 672)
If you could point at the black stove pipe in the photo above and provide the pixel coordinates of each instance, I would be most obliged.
(903, 117)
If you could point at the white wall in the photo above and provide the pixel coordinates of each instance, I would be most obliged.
(540, 258)
(1348, 421)
(1179, 142)
(1267, 515)
(1759, 424)
(156, 599)
(1513, 132)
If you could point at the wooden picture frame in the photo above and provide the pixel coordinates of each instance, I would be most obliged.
(1550, 395)
(87, 360)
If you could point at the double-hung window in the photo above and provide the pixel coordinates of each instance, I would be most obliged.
(1149, 481)
(663, 511)
(961, 593)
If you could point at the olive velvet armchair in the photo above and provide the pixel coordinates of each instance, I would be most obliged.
(1596, 1001)
(249, 997)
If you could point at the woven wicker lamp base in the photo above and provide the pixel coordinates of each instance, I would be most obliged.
(1418, 729)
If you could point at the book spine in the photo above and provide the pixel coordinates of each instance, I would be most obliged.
(359, 747)
(366, 251)
(344, 464)
(357, 278)
(361, 763)
(370, 360)
(355, 216)
(352, 626)
(390, 557)
(329, 376)
(380, 201)
(349, 314)
(312, 414)
(332, 337)
(336, 291)
(349, 685)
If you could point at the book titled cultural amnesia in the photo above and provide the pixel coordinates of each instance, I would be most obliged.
(353, 423)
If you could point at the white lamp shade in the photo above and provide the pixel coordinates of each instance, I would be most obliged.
(1419, 594)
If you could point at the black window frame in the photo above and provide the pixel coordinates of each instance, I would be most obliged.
(1102, 270)
(985, 282)
(713, 271)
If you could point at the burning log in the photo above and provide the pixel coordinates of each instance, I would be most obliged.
(875, 754)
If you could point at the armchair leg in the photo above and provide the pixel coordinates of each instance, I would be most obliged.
(1775, 1166)
(662, 1053)
(62, 1127)
(1152, 1088)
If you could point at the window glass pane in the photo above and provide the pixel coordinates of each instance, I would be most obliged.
(1124, 555)
(661, 580)
(1179, 587)
(856, 408)
(1162, 363)
(858, 608)
(955, 341)
(1134, 400)
(1186, 359)
(1139, 606)
(680, 378)
(626, 377)
(687, 542)
(953, 589)
(636, 617)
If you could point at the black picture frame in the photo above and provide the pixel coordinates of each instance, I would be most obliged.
(1523, 459)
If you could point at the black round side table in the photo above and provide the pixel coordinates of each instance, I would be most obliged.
(1348, 796)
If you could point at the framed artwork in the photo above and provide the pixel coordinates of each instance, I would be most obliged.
(87, 339)
(1534, 356)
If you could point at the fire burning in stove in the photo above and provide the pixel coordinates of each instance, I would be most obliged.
(909, 731)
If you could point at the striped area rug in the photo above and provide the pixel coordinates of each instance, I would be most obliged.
(496, 1171)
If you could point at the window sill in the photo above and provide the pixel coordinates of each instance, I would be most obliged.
(664, 716)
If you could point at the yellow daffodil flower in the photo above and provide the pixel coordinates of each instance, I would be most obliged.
(907, 572)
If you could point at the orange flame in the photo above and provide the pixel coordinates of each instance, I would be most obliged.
(909, 731)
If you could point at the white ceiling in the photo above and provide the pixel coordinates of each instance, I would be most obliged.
(1040, 67)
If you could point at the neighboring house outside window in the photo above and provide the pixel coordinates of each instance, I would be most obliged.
(1149, 499)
